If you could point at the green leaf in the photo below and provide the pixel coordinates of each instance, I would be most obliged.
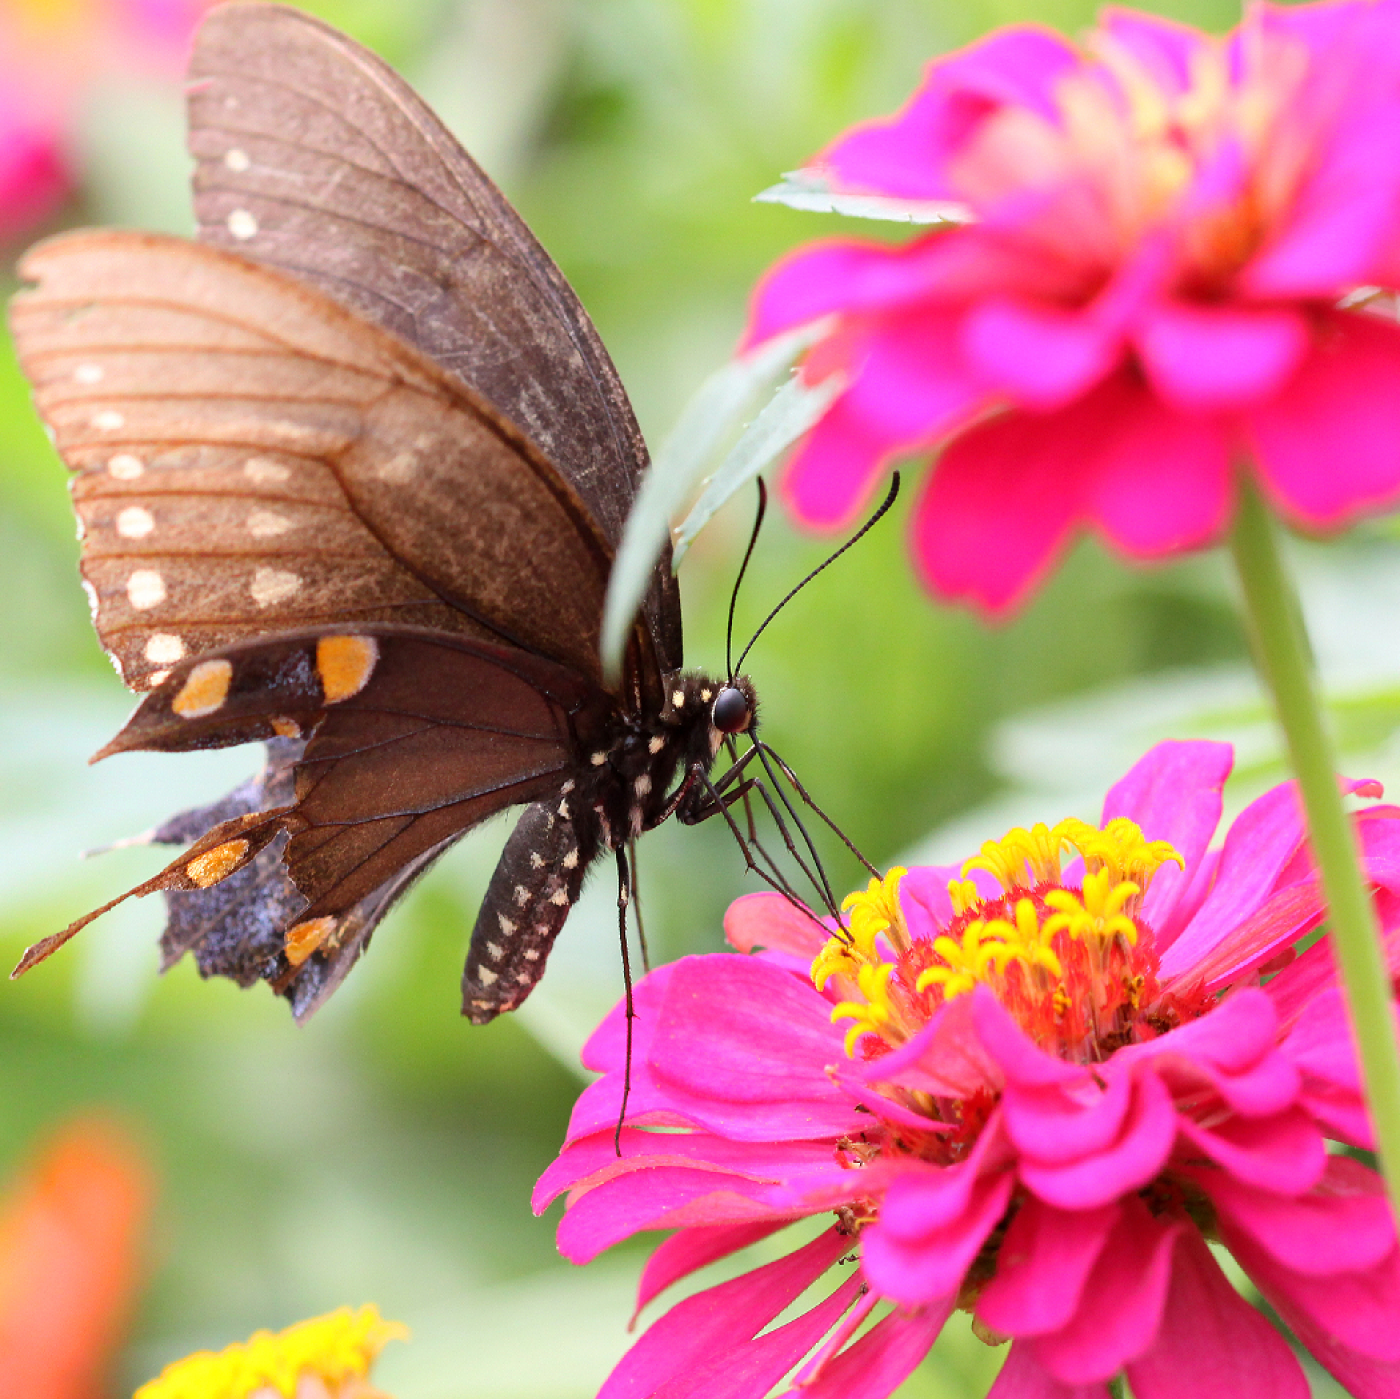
(812, 191)
(794, 409)
(708, 420)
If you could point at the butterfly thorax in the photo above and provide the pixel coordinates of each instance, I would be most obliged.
(634, 771)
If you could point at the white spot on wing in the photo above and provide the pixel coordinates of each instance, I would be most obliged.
(108, 420)
(655, 744)
(536, 860)
(678, 699)
(263, 524)
(643, 785)
(495, 952)
(242, 225)
(135, 523)
(164, 647)
(522, 895)
(236, 159)
(125, 467)
(532, 955)
(571, 860)
(507, 925)
(272, 586)
(559, 897)
(486, 977)
(264, 472)
(145, 588)
(157, 678)
(88, 374)
(598, 759)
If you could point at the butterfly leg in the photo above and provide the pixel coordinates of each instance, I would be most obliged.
(624, 891)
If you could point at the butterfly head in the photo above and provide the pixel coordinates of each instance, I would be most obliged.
(733, 710)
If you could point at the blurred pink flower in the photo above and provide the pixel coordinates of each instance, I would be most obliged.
(50, 55)
(1061, 1083)
(1163, 226)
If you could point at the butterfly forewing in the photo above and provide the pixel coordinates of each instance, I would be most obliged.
(315, 157)
(250, 457)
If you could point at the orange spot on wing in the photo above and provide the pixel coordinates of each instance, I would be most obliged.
(285, 728)
(214, 865)
(304, 938)
(345, 665)
(204, 690)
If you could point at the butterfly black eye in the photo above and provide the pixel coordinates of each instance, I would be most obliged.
(731, 713)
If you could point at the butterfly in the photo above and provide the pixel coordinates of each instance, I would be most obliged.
(350, 472)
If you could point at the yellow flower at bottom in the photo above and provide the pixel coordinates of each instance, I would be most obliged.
(328, 1355)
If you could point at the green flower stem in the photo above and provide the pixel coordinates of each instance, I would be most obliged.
(1285, 660)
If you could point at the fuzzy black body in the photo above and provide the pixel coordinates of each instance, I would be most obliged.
(641, 770)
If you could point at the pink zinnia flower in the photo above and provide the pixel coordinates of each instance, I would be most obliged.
(1163, 226)
(1036, 1089)
(50, 55)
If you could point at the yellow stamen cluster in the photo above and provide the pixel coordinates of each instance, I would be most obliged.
(333, 1353)
(1033, 925)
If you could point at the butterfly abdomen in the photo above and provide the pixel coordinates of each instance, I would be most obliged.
(536, 883)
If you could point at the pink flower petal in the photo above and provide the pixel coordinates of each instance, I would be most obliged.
(600, 1104)
(1231, 1049)
(830, 477)
(1210, 1342)
(835, 275)
(1168, 50)
(930, 1270)
(688, 1250)
(720, 1318)
(947, 1058)
(1283, 1153)
(755, 1367)
(592, 1160)
(1123, 1301)
(1260, 842)
(907, 155)
(1022, 1377)
(1343, 1226)
(1042, 1267)
(1357, 1308)
(878, 1362)
(767, 920)
(1041, 355)
(1135, 1159)
(1174, 794)
(1328, 447)
(1055, 1127)
(1023, 1063)
(672, 1198)
(922, 1198)
(1161, 479)
(743, 1048)
(1204, 359)
(607, 1046)
(1000, 506)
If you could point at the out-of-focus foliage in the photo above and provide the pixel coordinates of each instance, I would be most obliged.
(386, 1151)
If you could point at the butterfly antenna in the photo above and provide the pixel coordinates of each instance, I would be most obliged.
(826, 563)
(734, 596)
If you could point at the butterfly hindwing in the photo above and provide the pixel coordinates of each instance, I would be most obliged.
(315, 157)
(251, 457)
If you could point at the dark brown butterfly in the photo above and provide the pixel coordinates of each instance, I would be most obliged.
(350, 472)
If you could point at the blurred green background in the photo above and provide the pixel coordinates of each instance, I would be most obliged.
(386, 1151)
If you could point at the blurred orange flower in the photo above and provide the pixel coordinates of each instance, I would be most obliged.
(71, 1232)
